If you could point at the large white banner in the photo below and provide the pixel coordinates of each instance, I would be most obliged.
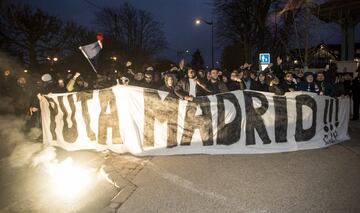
(150, 122)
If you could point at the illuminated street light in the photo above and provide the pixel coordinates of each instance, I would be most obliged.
(198, 21)
(114, 58)
(296, 61)
(69, 71)
(54, 59)
(25, 71)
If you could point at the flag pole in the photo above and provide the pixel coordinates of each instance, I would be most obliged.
(80, 48)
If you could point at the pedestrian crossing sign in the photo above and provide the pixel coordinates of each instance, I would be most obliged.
(264, 58)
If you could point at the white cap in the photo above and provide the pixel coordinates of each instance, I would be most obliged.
(174, 69)
(46, 77)
(150, 69)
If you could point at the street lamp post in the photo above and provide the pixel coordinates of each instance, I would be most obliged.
(211, 23)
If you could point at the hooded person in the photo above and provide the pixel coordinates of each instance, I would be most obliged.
(308, 84)
(169, 85)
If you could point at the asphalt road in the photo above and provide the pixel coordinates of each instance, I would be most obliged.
(322, 180)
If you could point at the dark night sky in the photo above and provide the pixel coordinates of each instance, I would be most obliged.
(177, 17)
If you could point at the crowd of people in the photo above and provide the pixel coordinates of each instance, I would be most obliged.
(186, 83)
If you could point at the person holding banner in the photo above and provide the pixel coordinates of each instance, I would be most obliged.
(169, 85)
(309, 85)
(191, 87)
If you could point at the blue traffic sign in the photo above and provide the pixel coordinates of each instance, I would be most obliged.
(264, 58)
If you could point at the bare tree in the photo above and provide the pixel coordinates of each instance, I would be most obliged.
(29, 33)
(136, 30)
(254, 26)
(33, 35)
(244, 22)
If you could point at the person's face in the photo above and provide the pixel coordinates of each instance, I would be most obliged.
(214, 74)
(234, 75)
(139, 76)
(261, 77)
(289, 77)
(21, 82)
(253, 76)
(148, 78)
(191, 73)
(241, 75)
(61, 83)
(170, 81)
(246, 75)
(320, 77)
(309, 78)
(201, 74)
(7, 73)
(225, 79)
(300, 74)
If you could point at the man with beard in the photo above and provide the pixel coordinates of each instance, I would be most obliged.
(214, 84)
(148, 80)
(191, 87)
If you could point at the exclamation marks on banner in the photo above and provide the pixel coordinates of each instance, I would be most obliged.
(331, 125)
(336, 113)
(326, 110)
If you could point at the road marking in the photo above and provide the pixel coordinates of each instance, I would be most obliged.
(184, 183)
